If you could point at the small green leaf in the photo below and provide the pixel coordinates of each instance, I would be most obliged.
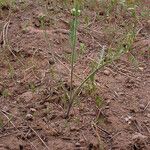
(98, 101)
(1, 122)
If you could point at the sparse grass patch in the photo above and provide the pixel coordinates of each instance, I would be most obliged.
(4, 3)
(89, 79)
(5, 93)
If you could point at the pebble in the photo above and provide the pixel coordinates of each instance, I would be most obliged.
(148, 115)
(108, 102)
(73, 128)
(128, 119)
(106, 72)
(77, 144)
(29, 136)
(27, 96)
(141, 68)
(51, 61)
(29, 117)
(32, 110)
(82, 140)
(142, 106)
(107, 107)
(139, 136)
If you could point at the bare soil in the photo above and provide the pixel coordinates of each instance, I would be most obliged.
(33, 86)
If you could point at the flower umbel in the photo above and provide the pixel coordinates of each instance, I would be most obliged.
(75, 12)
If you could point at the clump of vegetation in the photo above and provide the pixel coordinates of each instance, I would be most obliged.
(104, 58)
(5, 3)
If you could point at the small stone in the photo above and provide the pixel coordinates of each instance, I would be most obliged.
(107, 107)
(77, 144)
(139, 136)
(27, 96)
(106, 72)
(108, 102)
(146, 122)
(29, 117)
(128, 119)
(121, 93)
(142, 106)
(37, 23)
(141, 68)
(46, 104)
(82, 141)
(73, 128)
(53, 125)
(32, 110)
(51, 61)
(148, 115)
(29, 136)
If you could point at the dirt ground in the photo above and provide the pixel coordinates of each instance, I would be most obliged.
(34, 86)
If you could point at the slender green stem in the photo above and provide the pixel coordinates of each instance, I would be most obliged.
(73, 54)
(73, 40)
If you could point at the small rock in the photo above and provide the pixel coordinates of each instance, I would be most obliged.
(139, 136)
(128, 119)
(142, 106)
(29, 136)
(51, 61)
(82, 141)
(146, 122)
(107, 107)
(108, 102)
(37, 23)
(32, 110)
(77, 144)
(148, 115)
(106, 72)
(46, 104)
(29, 117)
(73, 128)
(121, 93)
(27, 96)
(141, 68)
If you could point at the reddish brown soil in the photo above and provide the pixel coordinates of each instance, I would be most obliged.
(32, 86)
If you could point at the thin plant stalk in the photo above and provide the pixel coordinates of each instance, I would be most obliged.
(73, 55)
(73, 47)
(73, 41)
